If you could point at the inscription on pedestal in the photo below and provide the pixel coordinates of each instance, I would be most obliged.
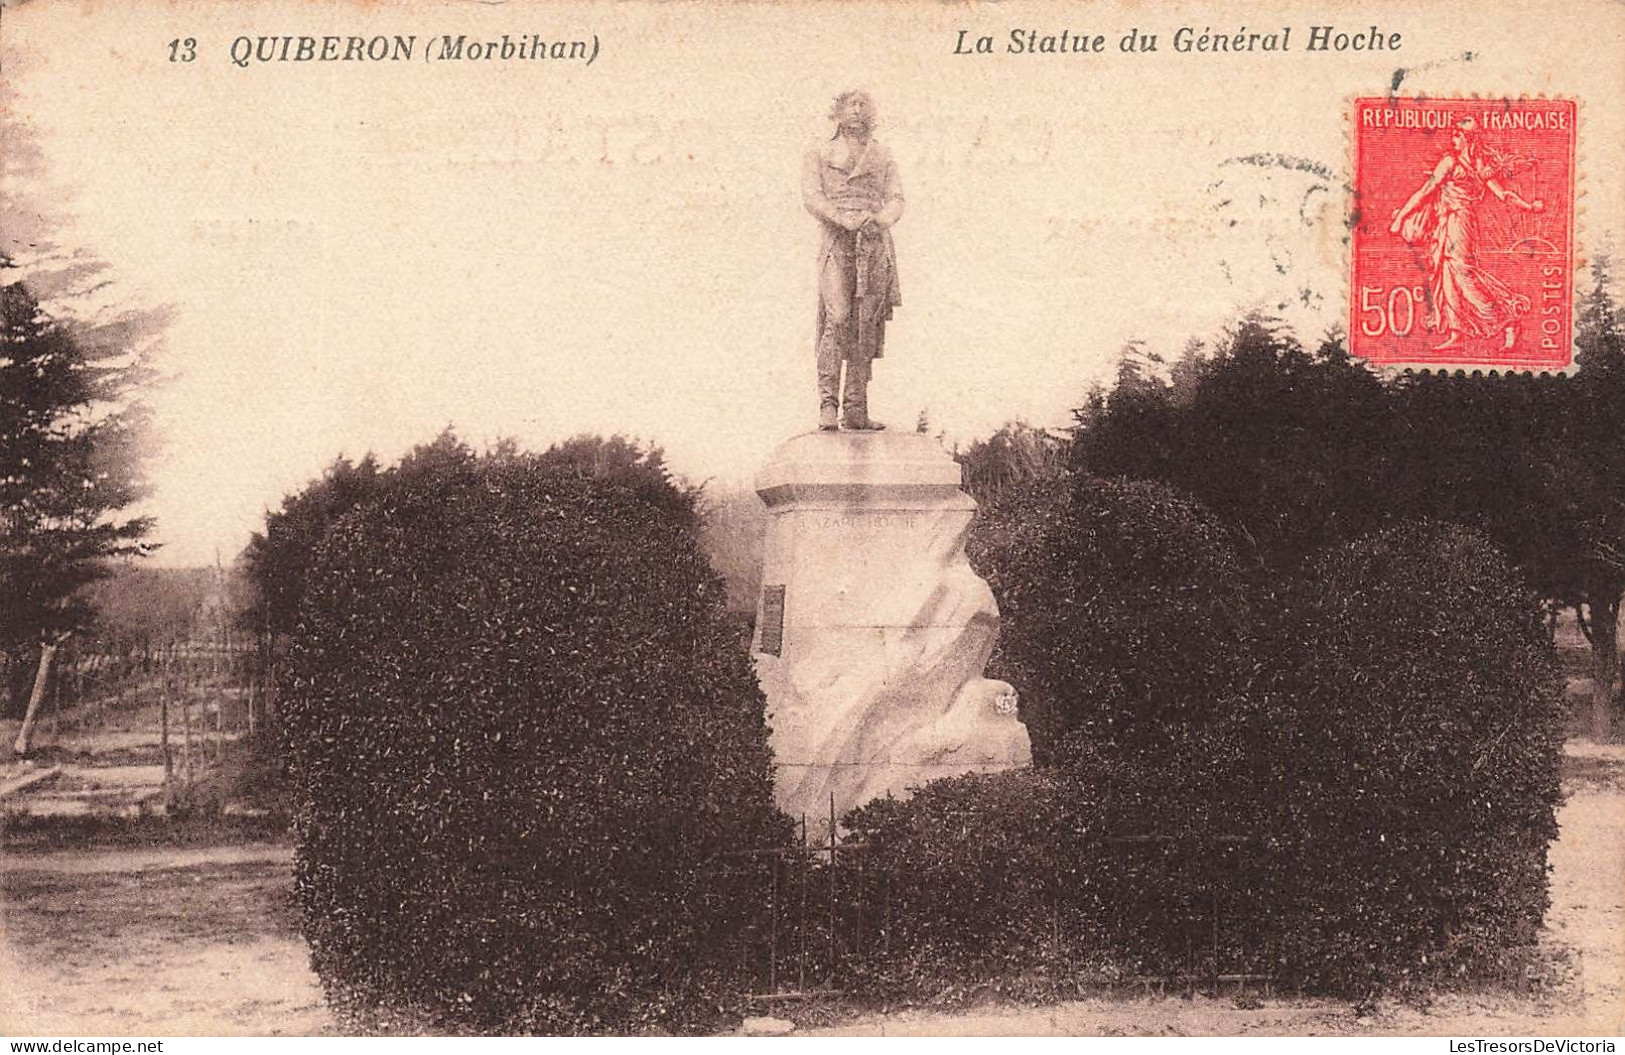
(867, 521)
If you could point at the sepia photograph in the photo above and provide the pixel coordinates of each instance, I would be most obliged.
(792, 518)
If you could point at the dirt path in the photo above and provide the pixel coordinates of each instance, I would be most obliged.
(1588, 902)
(196, 941)
(161, 859)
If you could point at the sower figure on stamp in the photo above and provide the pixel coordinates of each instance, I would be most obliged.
(850, 184)
(1464, 298)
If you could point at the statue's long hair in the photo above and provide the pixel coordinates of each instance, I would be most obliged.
(840, 104)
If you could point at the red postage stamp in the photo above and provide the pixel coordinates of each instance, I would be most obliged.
(1463, 243)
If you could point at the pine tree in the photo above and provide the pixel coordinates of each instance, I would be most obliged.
(71, 460)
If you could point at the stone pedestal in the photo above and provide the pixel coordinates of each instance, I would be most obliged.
(872, 629)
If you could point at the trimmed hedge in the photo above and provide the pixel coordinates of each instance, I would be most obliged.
(1019, 882)
(984, 876)
(1420, 738)
(524, 740)
(1122, 614)
(1126, 626)
(1346, 782)
(521, 731)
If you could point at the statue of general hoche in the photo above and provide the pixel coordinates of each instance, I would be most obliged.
(850, 184)
(873, 631)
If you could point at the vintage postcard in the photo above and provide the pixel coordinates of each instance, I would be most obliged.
(865, 518)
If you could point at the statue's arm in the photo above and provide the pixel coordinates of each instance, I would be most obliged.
(892, 210)
(812, 191)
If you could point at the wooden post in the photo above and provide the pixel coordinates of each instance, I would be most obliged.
(186, 728)
(773, 925)
(220, 724)
(801, 923)
(163, 740)
(863, 894)
(832, 950)
(60, 674)
(42, 675)
(218, 665)
(98, 681)
(230, 680)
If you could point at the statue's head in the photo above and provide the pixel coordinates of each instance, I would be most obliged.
(853, 112)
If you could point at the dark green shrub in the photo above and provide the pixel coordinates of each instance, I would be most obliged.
(520, 731)
(976, 880)
(1018, 882)
(1294, 447)
(1004, 545)
(1366, 804)
(1125, 626)
(1420, 734)
(1123, 618)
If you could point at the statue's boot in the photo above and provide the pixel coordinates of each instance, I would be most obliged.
(855, 397)
(857, 419)
(829, 382)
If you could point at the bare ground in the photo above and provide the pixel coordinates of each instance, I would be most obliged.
(204, 941)
(194, 941)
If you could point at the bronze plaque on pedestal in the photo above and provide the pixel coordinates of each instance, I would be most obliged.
(772, 620)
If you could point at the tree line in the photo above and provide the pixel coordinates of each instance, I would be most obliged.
(1296, 449)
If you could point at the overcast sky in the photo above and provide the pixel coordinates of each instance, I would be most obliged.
(360, 254)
